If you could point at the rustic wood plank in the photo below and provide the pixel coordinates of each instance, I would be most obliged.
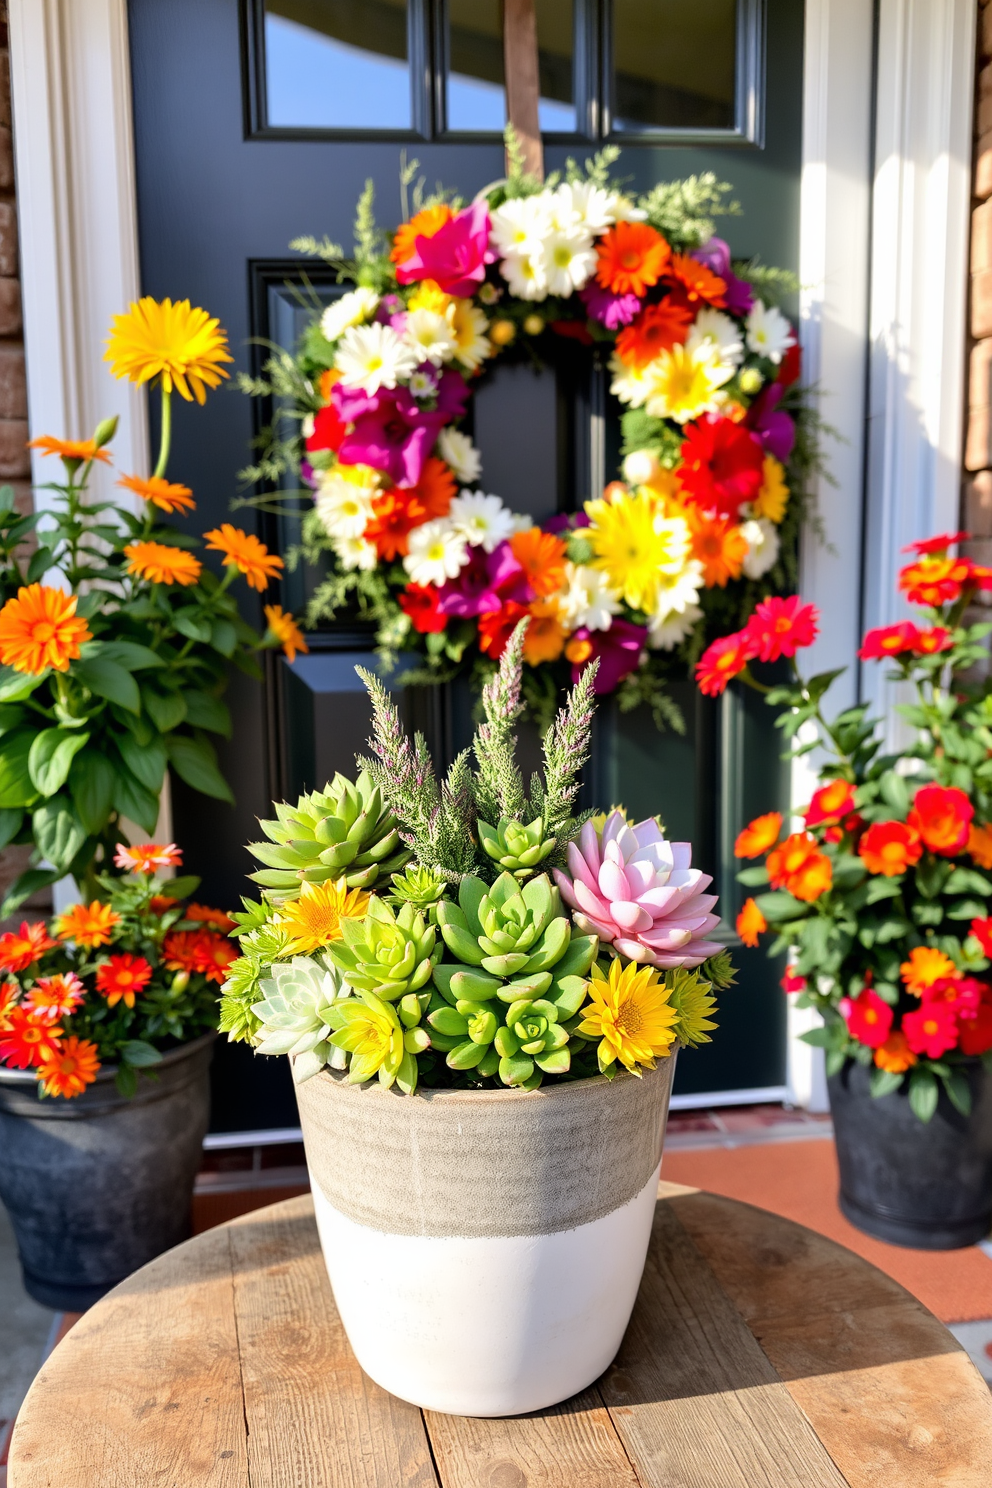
(694, 1399)
(894, 1399)
(146, 1388)
(314, 1419)
(523, 84)
(574, 1445)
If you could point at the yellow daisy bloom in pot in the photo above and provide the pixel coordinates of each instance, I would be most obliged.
(314, 919)
(630, 1012)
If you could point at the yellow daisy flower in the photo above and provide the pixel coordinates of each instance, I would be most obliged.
(314, 919)
(636, 547)
(429, 295)
(773, 497)
(681, 384)
(629, 1011)
(182, 345)
(469, 327)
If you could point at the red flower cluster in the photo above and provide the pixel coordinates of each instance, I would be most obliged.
(778, 627)
(722, 467)
(936, 578)
(18, 951)
(955, 1012)
(896, 640)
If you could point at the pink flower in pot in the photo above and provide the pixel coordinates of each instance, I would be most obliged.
(639, 893)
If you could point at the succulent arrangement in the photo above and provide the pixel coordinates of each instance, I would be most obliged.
(410, 928)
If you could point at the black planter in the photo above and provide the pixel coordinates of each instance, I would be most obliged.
(927, 1185)
(98, 1185)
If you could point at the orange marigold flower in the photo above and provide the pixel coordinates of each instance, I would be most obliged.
(39, 628)
(88, 925)
(208, 916)
(201, 951)
(68, 1069)
(9, 993)
(750, 923)
(147, 857)
(286, 631)
(719, 545)
(17, 951)
(168, 496)
(696, 281)
(243, 551)
(545, 636)
(799, 866)
(830, 802)
(890, 847)
(80, 450)
(942, 815)
(162, 564)
(55, 997)
(632, 256)
(122, 977)
(541, 555)
(758, 836)
(26, 1038)
(926, 966)
(215, 956)
(980, 844)
(423, 224)
(934, 581)
(658, 328)
(895, 1056)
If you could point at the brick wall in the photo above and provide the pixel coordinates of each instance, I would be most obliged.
(976, 515)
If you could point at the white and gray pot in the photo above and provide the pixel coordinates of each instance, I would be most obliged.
(485, 1247)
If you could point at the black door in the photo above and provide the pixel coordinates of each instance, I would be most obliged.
(260, 120)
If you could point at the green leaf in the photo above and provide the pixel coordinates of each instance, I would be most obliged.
(895, 792)
(195, 762)
(967, 881)
(126, 1081)
(15, 686)
(132, 800)
(192, 625)
(139, 1054)
(821, 1038)
(10, 825)
(880, 888)
(223, 637)
(129, 654)
(16, 786)
(41, 562)
(58, 832)
(109, 680)
(180, 888)
(165, 709)
(208, 712)
(835, 1061)
(7, 500)
(29, 883)
(884, 1082)
(51, 755)
(931, 875)
(91, 785)
(958, 1091)
(753, 877)
(146, 762)
(923, 1094)
(779, 905)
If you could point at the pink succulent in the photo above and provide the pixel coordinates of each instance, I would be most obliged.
(638, 892)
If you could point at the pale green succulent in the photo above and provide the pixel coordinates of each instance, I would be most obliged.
(344, 831)
(532, 1035)
(515, 847)
(294, 1015)
(377, 1041)
(389, 953)
(421, 887)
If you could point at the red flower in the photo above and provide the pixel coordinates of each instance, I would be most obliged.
(982, 931)
(328, 430)
(936, 544)
(791, 982)
(790, 367)
(931, 1030)
(722, 465)
(975, 1033)
(963, 994)
(201, 951)
(890, 847)
(496, 628)
(27, 1038)
(420, 602)
(18, 951)
(779, 627)
(868, 1018)
(830, 802)
(120, 978)
(724, 659)
(929, 642)
(935, 581)
(942, 816)
(889, 640)
(207, 916)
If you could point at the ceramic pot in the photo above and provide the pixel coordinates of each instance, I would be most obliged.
(485, 1247)
(98, 1185)
(923, 1184)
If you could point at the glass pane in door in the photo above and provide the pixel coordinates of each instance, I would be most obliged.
(337, 64)
(555, 23)
(674, 64)
(475, 83)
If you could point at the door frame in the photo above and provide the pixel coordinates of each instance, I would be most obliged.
(884, 215)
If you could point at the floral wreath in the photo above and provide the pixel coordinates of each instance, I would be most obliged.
(704, 523)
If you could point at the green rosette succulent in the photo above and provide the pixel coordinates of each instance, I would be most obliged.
(515, 847)
(391, 953)
(344, 831)
(295, 1014)
(422, 887)
(379, 1039)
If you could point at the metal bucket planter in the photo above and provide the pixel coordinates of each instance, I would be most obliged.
(485, 1247)
(98, 1185)
(925, 1185)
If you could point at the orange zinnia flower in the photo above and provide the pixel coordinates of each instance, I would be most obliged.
(696, 281)
(926, 966)
(395, 513)
(719, 545)
(146, 857)
(70, 449)
(160, 564)
(422, 224)
(942, 815)
(890, 847)
(243, 551)
(980, 845)
(120, 978)
(435, 488)
(286, 631)
(758, 836)
(830, 803)
(208, 916)
(39, 628)
(895, 1055)
(545, 636)
(26, 1038)
(541, 555)
(658, 328)
(56, 996)
(199, 950)
(750, 923)
(68, 1069)
(168, 496)
(798, 866)
(18, 951)
(934, 581)
(87, 925)
(632, 256)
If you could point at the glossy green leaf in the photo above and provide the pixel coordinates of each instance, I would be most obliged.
(51, 755)
(27, 884)
(132, 656)
(165, 709)
(923, 1093)
(58, 832)
(146, 762)
(195, 762)
(139, 1054)
(10, 825)
(109, 680)
(132, 800)
(223, 637)
(11, 717)
(91, 785)
(192, 625)
(208, 712)
(16, 786)
(14, 686)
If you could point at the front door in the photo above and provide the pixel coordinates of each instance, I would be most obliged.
(257, 121)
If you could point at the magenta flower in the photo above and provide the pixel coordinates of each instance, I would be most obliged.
(456, 256)
(484, 583)
(774, 428)
(715, 255)
(391, 430)
(566, 522)
(639, 893)
(611, 310)
(618, 650)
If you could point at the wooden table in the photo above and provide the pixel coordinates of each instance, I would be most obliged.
(760, 1355)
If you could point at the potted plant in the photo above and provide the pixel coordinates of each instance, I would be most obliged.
(484, 1045)
(107, 1019)
(883, 898)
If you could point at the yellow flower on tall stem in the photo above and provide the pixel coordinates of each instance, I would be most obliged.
(314, 919)
(161, 564)
(287, 632)
(243, 551)
(168, 496)
(39, 628)
(630, 1012)
(87, 925)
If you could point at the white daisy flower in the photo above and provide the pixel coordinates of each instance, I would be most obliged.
(623, 208)
(640, 467)
(436, 552)
(717, 334)
(568, 259)
(524, 273)
(582, 202)
(356, 552)
(520, 225)
(458, 451)
(588, 600)
(630, 385)
(763, 546)
(769, 334)
(431, 336)
(468, 327)
(423, 382)
(351, 309)
(669, 628)
(482, 520)
(372, 357)
(343, 507)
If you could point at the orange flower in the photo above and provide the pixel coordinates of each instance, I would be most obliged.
(120, 978)
(243, 551)
(658, 328)
(39, 628)
(199, 950)
(830, 803)
(496, 628)
(88, 926)
(632, 256)
(160, 564)
(696, 281)
(541, 555)
(208, 916)
(927, 965)
(934, 581)
(545, 636)
(56, 996)
(895, 1055)
(890, 847)
(942, 815)
(286, 631)
(798, 866)
(326, 382)
(719, 544)
(750, 923)
(26, 1038)
(435, 488)
(68, 1069)
(422, 224)
(723, 659)
(395, 513)
(147, 857)
(18, 951)
(70, 449)
(980, 845)
(9, 993)
(758, 836)
(168, 496)
(215, 956)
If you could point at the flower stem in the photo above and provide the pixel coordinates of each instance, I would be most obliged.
(166, 433)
